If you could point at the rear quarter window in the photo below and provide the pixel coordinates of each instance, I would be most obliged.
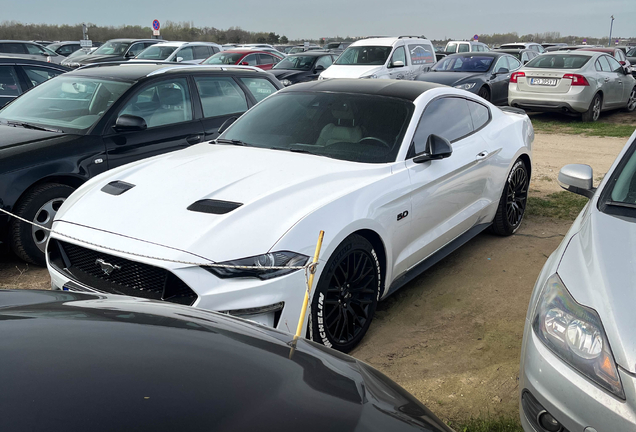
(421, 54)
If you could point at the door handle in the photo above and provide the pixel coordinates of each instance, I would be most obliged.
(193, 139)
(482, 155)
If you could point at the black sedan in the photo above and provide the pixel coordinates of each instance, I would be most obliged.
(85, 362)
(19, 75)
(113, 50)
(486, 74)
(303, 67)
(71, 128)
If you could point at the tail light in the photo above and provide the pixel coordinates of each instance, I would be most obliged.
(516, 75)
(577, 80)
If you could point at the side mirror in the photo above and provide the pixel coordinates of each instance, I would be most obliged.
(577, 178)
(623, 62)
(129, 123)
(245, 64)
(226, 124)
(437, 147)
(130, 54)
(319, 68)
(179, 59)
(397, 64)
(503, 70)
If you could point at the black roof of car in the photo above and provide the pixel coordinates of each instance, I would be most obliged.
(134, 40)
(92, 362)
(24, 61)
(408, 90)
(497, 53)
(134, 71)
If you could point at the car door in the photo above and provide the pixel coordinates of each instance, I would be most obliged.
(249, 60)
(499, 80)
(447, 195)
(610, 86)
(201, 52)
(167, 108)
(10, 86)
(221, 98)
(623, 90)
(134, 50)
(398, 72)
(185, 54)
(267, 61)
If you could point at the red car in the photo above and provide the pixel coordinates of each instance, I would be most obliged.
(617, 53)
(260, 59)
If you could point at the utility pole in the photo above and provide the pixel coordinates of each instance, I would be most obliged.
(609, 42)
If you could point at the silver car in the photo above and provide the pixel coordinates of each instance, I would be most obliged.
(580, 82)
(578, 358)
(28, 50)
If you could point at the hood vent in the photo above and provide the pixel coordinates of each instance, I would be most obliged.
(117, 187)
(214, 206)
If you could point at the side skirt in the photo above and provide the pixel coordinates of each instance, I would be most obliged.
(429, 262)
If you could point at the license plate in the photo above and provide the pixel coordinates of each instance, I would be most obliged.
(543, 81)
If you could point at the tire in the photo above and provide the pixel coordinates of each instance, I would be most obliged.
(631, 102)
(39, 205)
(346, 295)
(484, 93)
(594, 111)
(512, 204)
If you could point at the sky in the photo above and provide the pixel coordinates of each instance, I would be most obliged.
(300, 19)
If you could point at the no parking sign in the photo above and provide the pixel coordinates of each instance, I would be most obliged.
(155, 28)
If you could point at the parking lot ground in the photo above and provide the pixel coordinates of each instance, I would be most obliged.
(452, 337)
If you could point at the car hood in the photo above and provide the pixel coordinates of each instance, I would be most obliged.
(599, 270)
(346, 71)
(15, 136)
(287, 74)
(92, 58)
(275, 189)
(162, 367)
(449, 78)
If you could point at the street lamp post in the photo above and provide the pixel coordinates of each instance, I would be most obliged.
(609, 42)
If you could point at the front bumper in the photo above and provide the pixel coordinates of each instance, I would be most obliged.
(573, 400)
(243, 297)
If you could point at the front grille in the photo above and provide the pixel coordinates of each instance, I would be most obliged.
(117, 275)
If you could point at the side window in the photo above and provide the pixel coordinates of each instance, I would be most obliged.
(66, 49)
(186, 54)
(501, 64)
(464, 47)
(13, 48)
(259, 87)
(215, 50)
(249, 60)
(613, 64)
(597, 65)
(9, 85)
(447, 117)
(513, 63)
(479, 114)
(421, 54)
(324, 61)
(136, 48)
(160, 104)
(37, 75)
(398, 55)
(524, 57)
(535, 48)
(265, 59)
(201, 52)
(605, 67)
(34, 49)
(220, 96)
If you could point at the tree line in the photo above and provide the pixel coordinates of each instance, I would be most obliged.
(186, 31)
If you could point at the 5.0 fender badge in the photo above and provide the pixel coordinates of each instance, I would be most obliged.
(402, 215)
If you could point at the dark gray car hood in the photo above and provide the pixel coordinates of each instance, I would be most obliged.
(450, 78)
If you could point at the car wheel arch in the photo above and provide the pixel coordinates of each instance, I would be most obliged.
(68, 180)
(378, 245)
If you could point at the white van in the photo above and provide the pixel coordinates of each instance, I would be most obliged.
(400, 57)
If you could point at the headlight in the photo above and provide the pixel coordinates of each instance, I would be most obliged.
(257, 266)
(466, 86)
(286, 82)
(373, 76)
(575, 334)
(320, 77)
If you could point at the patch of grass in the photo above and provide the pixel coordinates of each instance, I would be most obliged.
(577, 127)
(502, 424)
(560, 205)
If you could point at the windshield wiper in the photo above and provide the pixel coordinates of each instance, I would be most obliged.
(32, 126)
(621, 204)
(230, 141)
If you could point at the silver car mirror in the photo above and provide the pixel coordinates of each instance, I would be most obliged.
(397, 64)
(577, 178)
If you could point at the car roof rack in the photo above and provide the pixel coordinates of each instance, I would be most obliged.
(200, 66)
(410, 36)
(117, 63)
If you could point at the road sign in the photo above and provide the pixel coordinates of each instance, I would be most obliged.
(476, 37)
(155, 25)
(86, 43)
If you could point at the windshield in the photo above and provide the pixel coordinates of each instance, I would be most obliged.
(364, 55)
(357, 128)
(464, 63)
(224, 58)
(619, 196)
(113, 48)
(558, 61)
(296, 62)
(156, 52)
(66, 103)
(79, 52)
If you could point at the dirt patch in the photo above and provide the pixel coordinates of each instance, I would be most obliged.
(16, 274)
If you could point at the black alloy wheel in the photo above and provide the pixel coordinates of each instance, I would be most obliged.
(512, 205)
(346, 295)
(484, 93)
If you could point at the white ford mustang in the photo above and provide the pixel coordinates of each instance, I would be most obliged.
(398, 175)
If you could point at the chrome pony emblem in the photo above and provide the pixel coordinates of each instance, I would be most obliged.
(107, 268)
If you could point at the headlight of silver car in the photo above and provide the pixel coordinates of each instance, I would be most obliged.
(286, 82)
(258, 266)
(372, 76)
(466, 86)
(575, 334)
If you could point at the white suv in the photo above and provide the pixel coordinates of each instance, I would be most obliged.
(400, 57)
